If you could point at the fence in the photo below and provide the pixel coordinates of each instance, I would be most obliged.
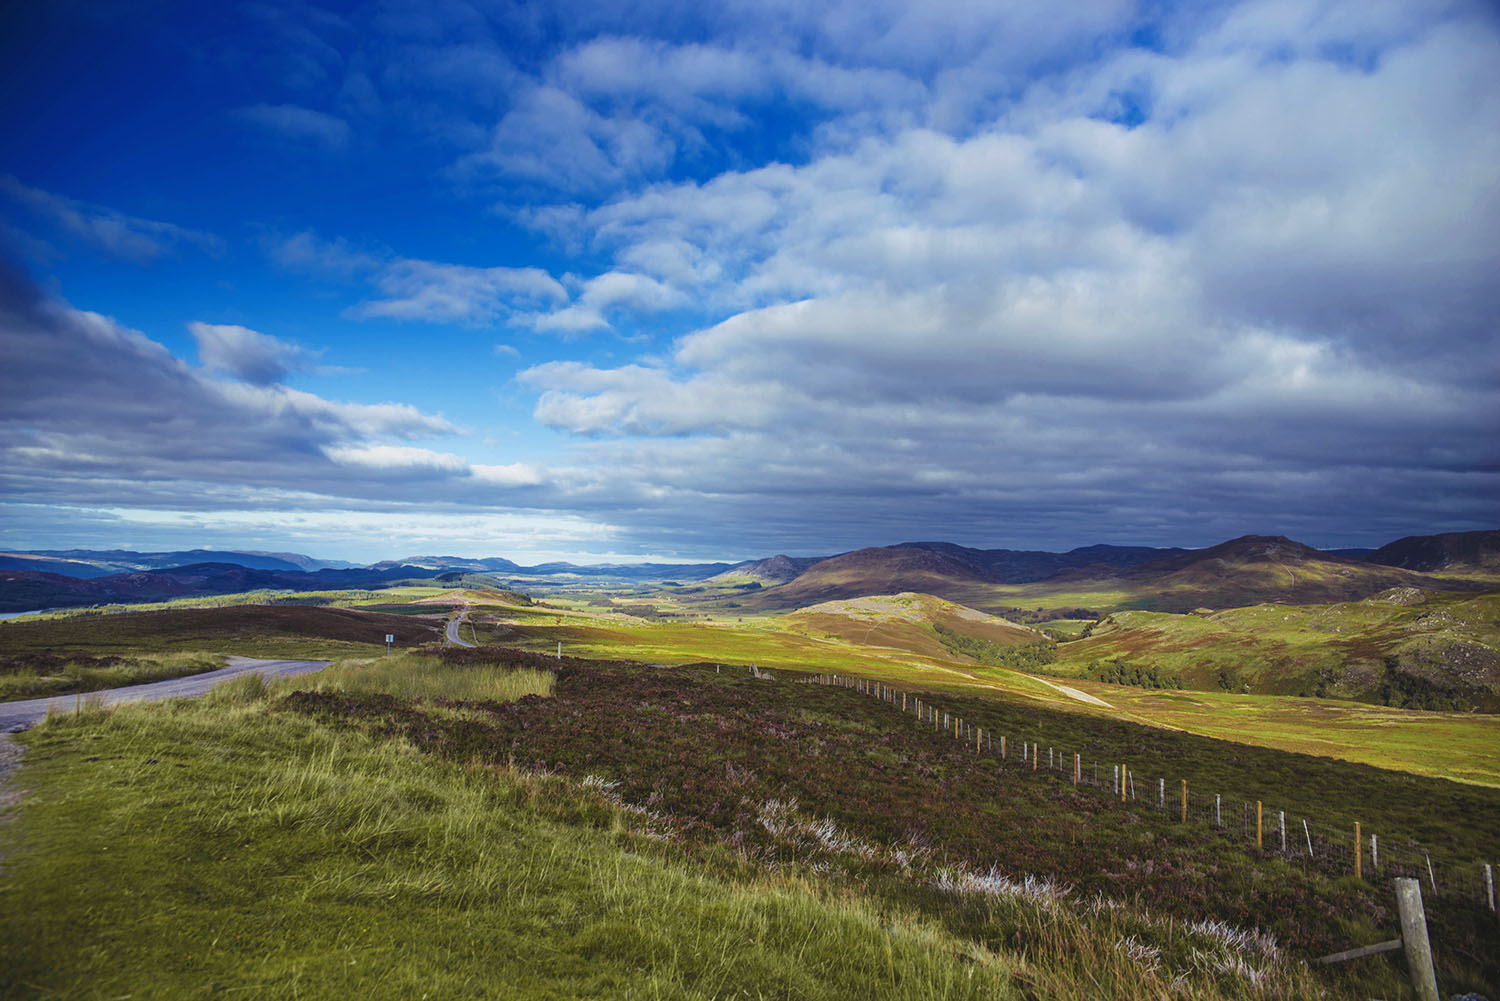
(1333, 851)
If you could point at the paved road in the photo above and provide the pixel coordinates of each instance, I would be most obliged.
(23, 714)
(453, 625)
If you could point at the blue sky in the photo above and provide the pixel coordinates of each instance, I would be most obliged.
(692, 281)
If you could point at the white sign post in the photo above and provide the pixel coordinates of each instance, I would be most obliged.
(388, 640)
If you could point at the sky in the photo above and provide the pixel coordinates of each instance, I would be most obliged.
(685, 281)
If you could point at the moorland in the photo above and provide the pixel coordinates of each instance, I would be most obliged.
(724, 783)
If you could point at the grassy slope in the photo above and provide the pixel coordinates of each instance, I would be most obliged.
(713, 752)
(1444, 745)
(1337, 649)
(184, 852)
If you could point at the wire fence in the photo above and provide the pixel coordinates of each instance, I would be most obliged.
(1331, 850)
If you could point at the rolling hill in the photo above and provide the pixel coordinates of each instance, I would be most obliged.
(1403, 647)
(777, 569)
(906, 621)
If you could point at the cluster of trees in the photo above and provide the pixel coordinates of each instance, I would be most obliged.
(1122, 672)
(1024, 656)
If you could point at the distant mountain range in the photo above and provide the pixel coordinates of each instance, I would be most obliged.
(104, 562)
(1241, 571)
(1244, 571)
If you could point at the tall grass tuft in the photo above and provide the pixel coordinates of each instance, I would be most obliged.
(415, 676)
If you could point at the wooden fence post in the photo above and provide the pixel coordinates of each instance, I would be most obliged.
(1002, 747)
(1078, 774)
(1184, 804)
(1359, 853)
(1374, 854)
(1218, 817)
(1281, 822)
(1414, 939)
(1258, 842)
(1161, 795)
(1489, 885)
(1124, 778)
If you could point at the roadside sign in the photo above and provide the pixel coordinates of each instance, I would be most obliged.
(389, 639)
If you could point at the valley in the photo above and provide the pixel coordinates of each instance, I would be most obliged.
(687, 729)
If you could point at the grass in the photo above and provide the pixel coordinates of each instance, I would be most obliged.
(1428, 650)
(261, 853)
(1458, 746)
(414, 676)
(277, 853)
(38, 675)
(1443, 745)
(710, 753)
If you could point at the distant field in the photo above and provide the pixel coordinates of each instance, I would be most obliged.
(1452, 745)
(1460, 746)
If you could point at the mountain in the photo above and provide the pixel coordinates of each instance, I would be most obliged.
(775, 570)
(1244, 571)
(878, 570)
(35, 563)
(102, 562)
(489, 564)
(1023, 566)
(25, 590)
(940, 568)
(1254, 569)
(1453, 551)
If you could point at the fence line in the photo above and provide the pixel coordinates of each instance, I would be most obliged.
(1331, 850)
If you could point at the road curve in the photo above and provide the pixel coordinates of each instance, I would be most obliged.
(15, 715)
(453, 625)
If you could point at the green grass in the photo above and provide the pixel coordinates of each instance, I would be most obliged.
(414, 676)
(1429, 651)
(194, 850)
(1458, 746)
(40, 675)
(229, 846)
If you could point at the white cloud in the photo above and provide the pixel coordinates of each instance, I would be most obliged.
(1286, 267)
(603, 293)
(454, 293)
(397, 459)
